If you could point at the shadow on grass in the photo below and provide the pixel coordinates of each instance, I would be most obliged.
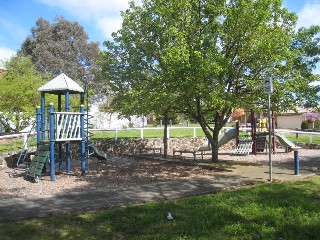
(264, 211)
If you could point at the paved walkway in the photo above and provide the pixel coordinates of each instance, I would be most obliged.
(237, 175)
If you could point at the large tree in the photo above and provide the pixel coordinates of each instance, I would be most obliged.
(18, 93)
(206, 58)
(62, 46)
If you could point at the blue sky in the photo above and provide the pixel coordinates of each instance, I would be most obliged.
(98, 17)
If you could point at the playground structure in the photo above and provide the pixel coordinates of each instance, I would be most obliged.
(244, 146)
(61, 127)
(260, 131)
(254, 140)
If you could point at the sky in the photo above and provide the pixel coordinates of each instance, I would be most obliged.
(98, 17)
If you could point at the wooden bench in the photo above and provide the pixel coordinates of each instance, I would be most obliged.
(196, 151)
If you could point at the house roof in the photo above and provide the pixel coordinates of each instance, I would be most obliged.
(299, 110)
(61, 84)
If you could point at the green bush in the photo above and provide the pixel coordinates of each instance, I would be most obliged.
(304, 125)
(317, 125)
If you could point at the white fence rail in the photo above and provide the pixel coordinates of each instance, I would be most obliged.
(311, 135)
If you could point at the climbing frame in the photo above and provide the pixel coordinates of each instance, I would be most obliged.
(244, 147)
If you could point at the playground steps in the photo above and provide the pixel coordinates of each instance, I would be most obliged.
(261, 143)
(244, 147)
(39, 161)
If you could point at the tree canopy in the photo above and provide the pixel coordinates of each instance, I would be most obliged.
(18, 93)
(206, 58)
(62, 47)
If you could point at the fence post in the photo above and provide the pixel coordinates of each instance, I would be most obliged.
(141, 133)
(116, 134)
(194, 132)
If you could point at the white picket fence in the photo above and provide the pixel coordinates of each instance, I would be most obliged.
(311, 135)
(63, 130)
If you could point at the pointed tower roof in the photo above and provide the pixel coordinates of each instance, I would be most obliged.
(61, 84)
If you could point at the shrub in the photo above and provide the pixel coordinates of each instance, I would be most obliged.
(304, 125)
(311, 116)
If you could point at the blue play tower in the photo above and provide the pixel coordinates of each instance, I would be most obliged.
(55, 128)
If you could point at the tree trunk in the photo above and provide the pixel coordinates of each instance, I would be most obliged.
(213, 136)
(215, 144)
(165, 135)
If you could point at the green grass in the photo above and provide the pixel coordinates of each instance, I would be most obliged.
(11, 146)
(183, 132)
(147, 133)
(263, 211)
(14, 145)
(303, 138)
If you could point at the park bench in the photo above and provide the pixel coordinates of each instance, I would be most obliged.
(195, 151)
(150, 149)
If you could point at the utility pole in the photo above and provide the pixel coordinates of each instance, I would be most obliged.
(268, 89)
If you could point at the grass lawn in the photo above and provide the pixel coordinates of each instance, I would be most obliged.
(263, 211)
(13, 145)
(303, 138)
(147, 133)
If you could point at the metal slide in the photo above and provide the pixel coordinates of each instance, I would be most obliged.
(227, 136)
(285, 142)
(96, 153)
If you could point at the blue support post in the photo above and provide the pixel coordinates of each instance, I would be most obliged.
(43, 116)
(38, 124)
(60, 145)
(68, 158)
(296, 160)
(52, 139)
(60, 156)
(83, 139)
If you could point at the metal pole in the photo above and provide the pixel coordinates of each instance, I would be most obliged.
(52, 143)
(270, 138)
(43, 116)
(38, 124)
(68, 157)
(83, 142)
(296, 162)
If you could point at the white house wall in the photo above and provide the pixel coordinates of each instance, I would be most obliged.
(289, 121)
(104, 120)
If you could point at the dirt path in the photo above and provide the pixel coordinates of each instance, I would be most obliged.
(122, 172)
(126, 180)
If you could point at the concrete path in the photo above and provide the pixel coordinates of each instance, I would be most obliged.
(26, 208)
